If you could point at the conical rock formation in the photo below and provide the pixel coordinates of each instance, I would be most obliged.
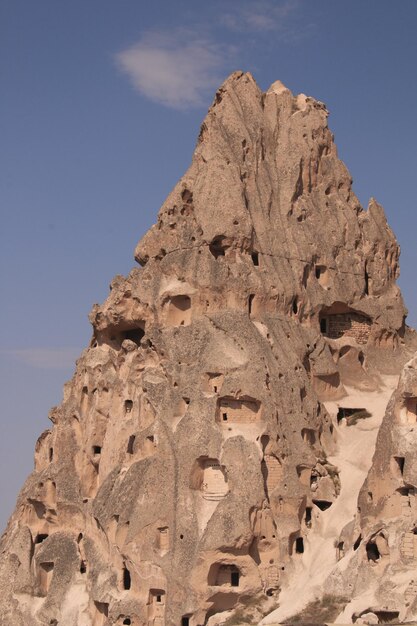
(179, 480)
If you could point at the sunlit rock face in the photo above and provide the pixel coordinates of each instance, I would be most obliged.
(378, 568)
(194, 458)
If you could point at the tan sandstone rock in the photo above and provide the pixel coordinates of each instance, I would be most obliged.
(192, 460)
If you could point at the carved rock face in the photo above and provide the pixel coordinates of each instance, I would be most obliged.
(184, 464)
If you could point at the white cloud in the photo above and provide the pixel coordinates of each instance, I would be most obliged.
(183, 68)
(45, 358)
(261, 16)
(178, 70)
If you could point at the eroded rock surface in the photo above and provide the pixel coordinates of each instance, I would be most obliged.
(192, 458)
(378, 565)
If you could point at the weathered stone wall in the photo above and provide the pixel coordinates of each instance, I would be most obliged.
(348, 325)
(382, 547)
(237, 411)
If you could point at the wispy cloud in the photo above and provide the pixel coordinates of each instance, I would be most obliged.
(182, 68)
(261, 16)
(45, 358)
(177, 70)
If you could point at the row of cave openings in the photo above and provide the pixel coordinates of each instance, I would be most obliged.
(178, 313)
(219, 575)
(155, 609)
(220, 246)
(224, 575)
(210, 477)
(125, 579)
(377, 547)
(149, 445)
(229, 411)
(335, 322)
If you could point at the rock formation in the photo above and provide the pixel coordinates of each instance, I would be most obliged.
(192, 460)
(381, 547)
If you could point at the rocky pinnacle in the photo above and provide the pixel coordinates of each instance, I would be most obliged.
(196, 456)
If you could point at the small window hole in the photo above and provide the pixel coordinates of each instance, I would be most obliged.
(131, 444)
(127, 581)
(299, 545)
(400, 461)
(250, 302)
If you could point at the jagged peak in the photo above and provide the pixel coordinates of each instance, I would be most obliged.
(190, 452)
(278, 88)
(231, 85)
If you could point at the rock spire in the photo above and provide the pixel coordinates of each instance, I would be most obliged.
(195, 452)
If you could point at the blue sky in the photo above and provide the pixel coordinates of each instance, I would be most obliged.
(100, 110)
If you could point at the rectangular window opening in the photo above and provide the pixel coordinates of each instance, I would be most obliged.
(127, 581)
(299, 545)
(131, 444)
(250, 302)
(400, 460)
